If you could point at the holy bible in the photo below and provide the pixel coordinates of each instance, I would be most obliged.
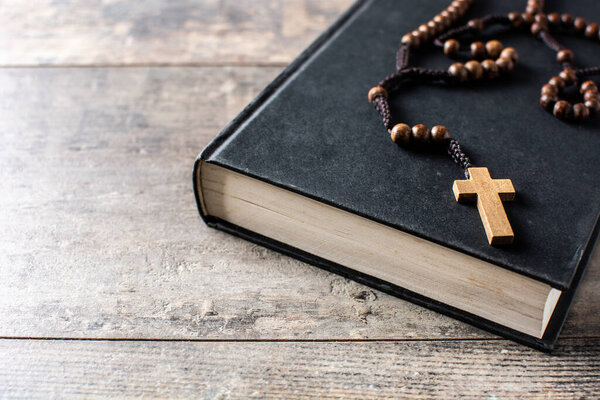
(308, 170)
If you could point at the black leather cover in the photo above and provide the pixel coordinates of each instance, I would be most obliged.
(312, 131)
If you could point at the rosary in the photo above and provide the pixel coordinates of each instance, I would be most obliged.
(489, 61)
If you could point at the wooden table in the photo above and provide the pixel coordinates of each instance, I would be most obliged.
(111, 285)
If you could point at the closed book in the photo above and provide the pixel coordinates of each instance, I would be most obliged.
(309, 170)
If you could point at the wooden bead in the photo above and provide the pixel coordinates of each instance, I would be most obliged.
(401, 133)
(440, 20)
(580, 112)
(591, 94)
(568, 75)
(505, 65)
(515, 19)
(451, 47)
(591, 31)
(493, 48)
(579, 25)
(528, 18)
(474, 69)
(565, 55)
(587, 85)
(477, 50)
(554, 19)
(421, 133)
(440, 134)
(541, 17)
(454, 12)
(376, 92)
(426, 33)
(434, 27)
(547, 101)
(567, 20)
(537, 28)
(412, 41)
(476, 25)
(511, 54)
(549, 89)
(562, 109)
(490, 68)
(558, 83)
(458, 71)
(422, 39)
(593, 106)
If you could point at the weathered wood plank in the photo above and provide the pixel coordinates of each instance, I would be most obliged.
(92, 32)
(100, 236)
(362, 370)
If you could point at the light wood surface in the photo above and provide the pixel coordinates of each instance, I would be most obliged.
(100, 236)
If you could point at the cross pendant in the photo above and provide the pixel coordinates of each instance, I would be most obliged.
(489, 194)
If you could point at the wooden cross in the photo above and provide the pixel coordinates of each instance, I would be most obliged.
(489, 194)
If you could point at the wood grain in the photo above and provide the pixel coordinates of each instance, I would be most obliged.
(122, 32)
(101, 237)
(292, 370)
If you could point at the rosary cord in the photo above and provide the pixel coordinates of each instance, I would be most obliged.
(459, 156)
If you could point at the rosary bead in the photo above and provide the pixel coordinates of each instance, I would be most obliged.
(434, 27)
(505, 65)
(400, 133)
(579, 24)
(477, 50)
(565, 56)
(567, 20)
(587, 85)
(547, 101)
(447, 15)
(451, 47)
(557, 82)
(568, 75)
(376, 92)
(593, 106)
(425, 32)
(562, 109)
(515, 19)
(591, 31)
(421, 133)
(441, 20)
(528, 18)
(554, 19)
(591, 94)
(419, 35)
(454, 11)
(493, 48)
(549, 89)
(439, 134)
(580, 112)
(458, 71)
(411, 40)
(538, 27)
(490, 68)
(474, 69)
(476, 25)
(511, 54)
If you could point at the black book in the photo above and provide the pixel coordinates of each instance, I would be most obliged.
(309, 170)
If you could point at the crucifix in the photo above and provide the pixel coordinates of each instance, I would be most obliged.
(489, 193)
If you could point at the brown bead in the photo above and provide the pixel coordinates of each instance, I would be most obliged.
(458, 71)
(547, 101)
(493, 48)
(579, 24)
(554, 19)
(568, 75)
(510, 53)
(541, 17)
(562, 109)
(567, 20)
(515, 19)
(591, 94)
(416, 33)
(538, 27)
(557, 82)
(476, 25)
(505, 65)
(434, 27)
(376, 92)
(412, 41)
(451, 47)
(564, 56)
(587, 85)
(528, 18)
(421, 133)
(580, 112)
(591, 31)
(442, 21)
(490, 68)
(440, 134)
(549, 89)
(474, 69)
(425, 32)
(454, 12)
(401, 133)
(477, 50)
(593, 106)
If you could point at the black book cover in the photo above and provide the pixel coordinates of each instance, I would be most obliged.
(312, 131)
